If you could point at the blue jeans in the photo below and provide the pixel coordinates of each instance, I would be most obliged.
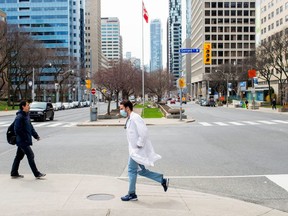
(21, 152)
(133, 171)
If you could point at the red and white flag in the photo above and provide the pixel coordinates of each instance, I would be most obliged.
(145, 13)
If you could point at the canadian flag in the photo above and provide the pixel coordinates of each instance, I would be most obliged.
(145, 13)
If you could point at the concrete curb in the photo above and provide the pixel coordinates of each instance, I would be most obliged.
(122, 121)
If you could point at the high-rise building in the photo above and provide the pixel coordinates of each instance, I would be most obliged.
(111, 39)
(58, 25)
(274, 22)
(274, 18)
(93, 37)
(2, 16)
(128, 55)
(155, 45)
(230, 27)
(174, 38)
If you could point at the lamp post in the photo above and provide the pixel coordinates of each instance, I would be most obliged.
(31, 84)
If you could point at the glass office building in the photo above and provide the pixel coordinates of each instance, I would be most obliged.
(155, 45)
(58, 24)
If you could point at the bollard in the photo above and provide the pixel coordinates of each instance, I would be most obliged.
(93, 113)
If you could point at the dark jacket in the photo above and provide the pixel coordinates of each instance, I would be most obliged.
(24, 130)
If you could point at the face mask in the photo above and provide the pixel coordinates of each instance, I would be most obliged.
(123, 113)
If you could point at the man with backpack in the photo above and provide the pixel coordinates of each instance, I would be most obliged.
(24, 131)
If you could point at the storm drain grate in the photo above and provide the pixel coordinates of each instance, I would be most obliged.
(98, 197)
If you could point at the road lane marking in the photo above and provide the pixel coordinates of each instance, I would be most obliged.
(280, 176)
(236, 123)
(4, 123)
(281, 180)
(251, 123)
(54, 124)
(221, 123)
(280, 121)
(267, 122)
(205, 123)
(41, 124)
(70, 125)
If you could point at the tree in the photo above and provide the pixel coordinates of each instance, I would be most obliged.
(120, 77)
(225, 73)
(159, 83)
(263, 64)
(272, 61)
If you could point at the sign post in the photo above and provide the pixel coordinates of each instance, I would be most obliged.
(93, 108)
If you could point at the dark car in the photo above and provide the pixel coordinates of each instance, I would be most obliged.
(41, 111)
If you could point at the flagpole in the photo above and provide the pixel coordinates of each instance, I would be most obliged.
(143, 92)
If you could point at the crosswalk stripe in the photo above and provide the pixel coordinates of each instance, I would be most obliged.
(267, 122)
(5, 125)
(280, 121)
(54, 125)
(41, 124)
(221, 123)
(205, 123)
(251, 123)
(70, 125)
(236, 123)
(281, 180)
(5, 122)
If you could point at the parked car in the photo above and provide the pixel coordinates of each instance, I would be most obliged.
(41, 111)
(172, 101)
(203, 102)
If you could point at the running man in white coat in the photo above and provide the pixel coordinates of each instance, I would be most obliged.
(141, 152)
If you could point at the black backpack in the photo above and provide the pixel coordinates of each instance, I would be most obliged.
(10, 134)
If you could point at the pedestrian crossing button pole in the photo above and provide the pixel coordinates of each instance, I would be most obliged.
(93, 108)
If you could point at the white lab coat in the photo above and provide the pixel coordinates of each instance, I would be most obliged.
(137, 135)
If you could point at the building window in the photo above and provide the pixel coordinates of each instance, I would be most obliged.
(207, 4)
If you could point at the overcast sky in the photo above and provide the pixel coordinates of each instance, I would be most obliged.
(129, 13)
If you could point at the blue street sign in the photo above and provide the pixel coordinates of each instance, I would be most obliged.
(188, 50)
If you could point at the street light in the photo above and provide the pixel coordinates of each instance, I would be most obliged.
(31, 84)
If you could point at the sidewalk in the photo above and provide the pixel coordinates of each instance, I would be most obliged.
(66, 195)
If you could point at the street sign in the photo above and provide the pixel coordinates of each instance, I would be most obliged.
(251, 73)
(188, 50)
(93, 91)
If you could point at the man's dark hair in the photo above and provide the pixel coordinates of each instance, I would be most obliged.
(22, 103)
(127, 103)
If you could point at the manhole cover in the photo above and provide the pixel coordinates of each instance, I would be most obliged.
(98, 197)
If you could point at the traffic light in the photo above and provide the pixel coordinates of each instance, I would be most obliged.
(207, 53)
(88, 83)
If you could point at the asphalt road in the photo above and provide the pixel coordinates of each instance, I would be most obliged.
(230, 152)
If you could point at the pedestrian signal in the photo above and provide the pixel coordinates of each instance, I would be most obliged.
(88, 84)
(207, 53)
